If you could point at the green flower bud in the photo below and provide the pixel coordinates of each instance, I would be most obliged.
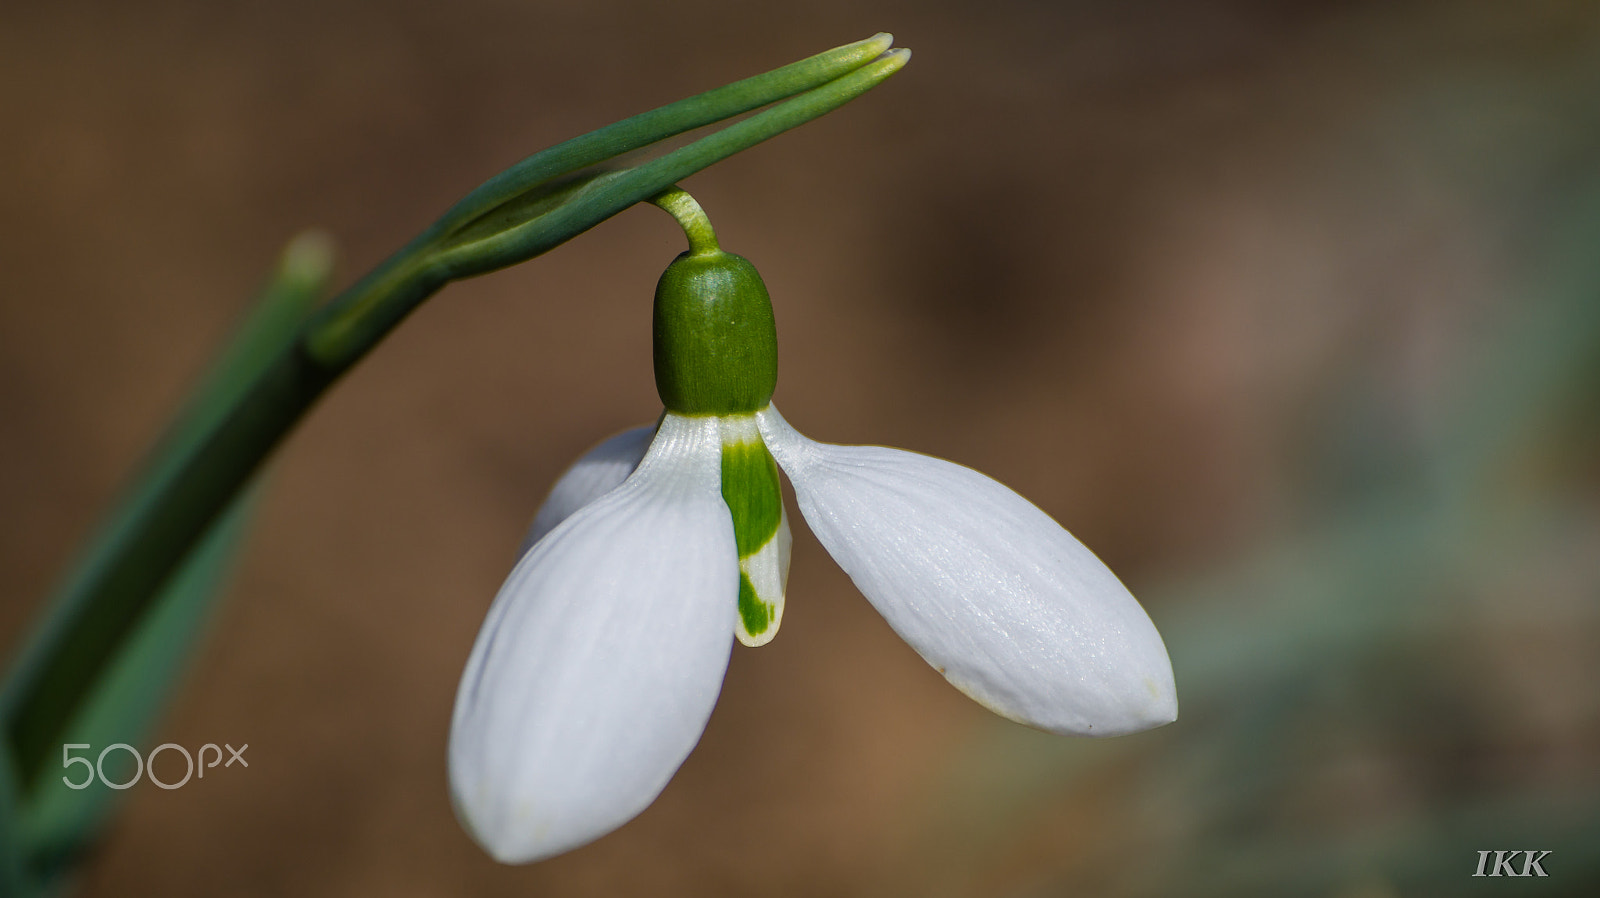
(716, 348)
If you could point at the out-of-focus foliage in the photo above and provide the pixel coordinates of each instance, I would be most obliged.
(1409, 671)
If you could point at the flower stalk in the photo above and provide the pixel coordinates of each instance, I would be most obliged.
(516, 215)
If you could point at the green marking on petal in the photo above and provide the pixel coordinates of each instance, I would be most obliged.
(751, 491)
(754, 613)
(750, 487)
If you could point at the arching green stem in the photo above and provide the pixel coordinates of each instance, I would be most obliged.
(696, 226)
(525, 211)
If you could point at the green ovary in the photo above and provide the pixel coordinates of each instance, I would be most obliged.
(716, 347)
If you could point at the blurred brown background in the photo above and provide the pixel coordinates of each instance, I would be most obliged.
(1191, 277)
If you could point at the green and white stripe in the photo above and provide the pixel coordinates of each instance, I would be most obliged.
(760, 528)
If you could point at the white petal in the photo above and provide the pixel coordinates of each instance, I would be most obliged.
(988, 589)
(599, 471)
(601, 658)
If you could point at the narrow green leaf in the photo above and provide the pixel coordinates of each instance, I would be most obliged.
(114, 584)
(664, 122)
(59, 823)
(543, 201)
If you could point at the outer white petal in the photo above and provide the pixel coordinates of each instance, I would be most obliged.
(988, 589)
(601, 658)
(599, 471)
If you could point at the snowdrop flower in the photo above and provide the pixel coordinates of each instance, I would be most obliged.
(602, 656)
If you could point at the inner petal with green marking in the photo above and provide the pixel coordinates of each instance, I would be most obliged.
(760, 528)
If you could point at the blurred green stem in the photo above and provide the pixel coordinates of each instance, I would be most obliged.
(42, 830)
(520, 213)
